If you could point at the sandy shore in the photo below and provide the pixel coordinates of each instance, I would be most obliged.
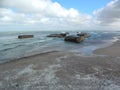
(64, 71)
(113, 50)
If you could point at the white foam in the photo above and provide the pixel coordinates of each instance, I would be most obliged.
(49, 74)
(89, 77)
(77, 76)
(112, 87)
(46, 76)
(115, 39)
(108, 84)
(62, 57)
(27, 70)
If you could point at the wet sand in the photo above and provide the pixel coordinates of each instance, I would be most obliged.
(113, 50)
(58, 70)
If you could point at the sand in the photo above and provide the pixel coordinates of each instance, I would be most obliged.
(57, 70)
(113, 50)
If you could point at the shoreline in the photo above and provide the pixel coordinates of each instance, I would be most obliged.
(64, 70)
(94, 51)
(27, 57)
(111, 50)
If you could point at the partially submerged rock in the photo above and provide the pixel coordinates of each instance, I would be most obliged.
(58, 35)
(72, 38)
(76, 39)
(25, 36)
(83, 34)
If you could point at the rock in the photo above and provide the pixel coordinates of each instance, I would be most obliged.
(25, 36)
(76, 39)
(58, 35)
(83, 34)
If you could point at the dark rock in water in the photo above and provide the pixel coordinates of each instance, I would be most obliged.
(58, 35)
(25, 36)
(76, 39)
(83, 34)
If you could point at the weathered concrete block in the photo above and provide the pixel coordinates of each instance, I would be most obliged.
(76, 39)
(25, 36)
(58, 35)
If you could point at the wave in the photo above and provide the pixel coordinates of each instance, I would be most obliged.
(2, 61)
(18, 45)
(6, 49)
(116, 38)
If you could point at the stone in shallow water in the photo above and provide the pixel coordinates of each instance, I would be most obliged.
(58, 35)
(73, 38)
(25, 36)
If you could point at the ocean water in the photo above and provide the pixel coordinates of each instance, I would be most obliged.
(13, 48)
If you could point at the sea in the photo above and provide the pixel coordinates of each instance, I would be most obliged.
(12, 48)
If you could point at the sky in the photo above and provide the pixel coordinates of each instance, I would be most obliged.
(84, 6)
(27, 15)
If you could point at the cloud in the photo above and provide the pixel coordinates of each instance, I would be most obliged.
(110, 14)
(48, 15)
(43, 14)
(7, 16)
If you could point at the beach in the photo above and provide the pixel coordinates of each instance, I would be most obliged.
(113, 50)
(59, 45)
(64, 70)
